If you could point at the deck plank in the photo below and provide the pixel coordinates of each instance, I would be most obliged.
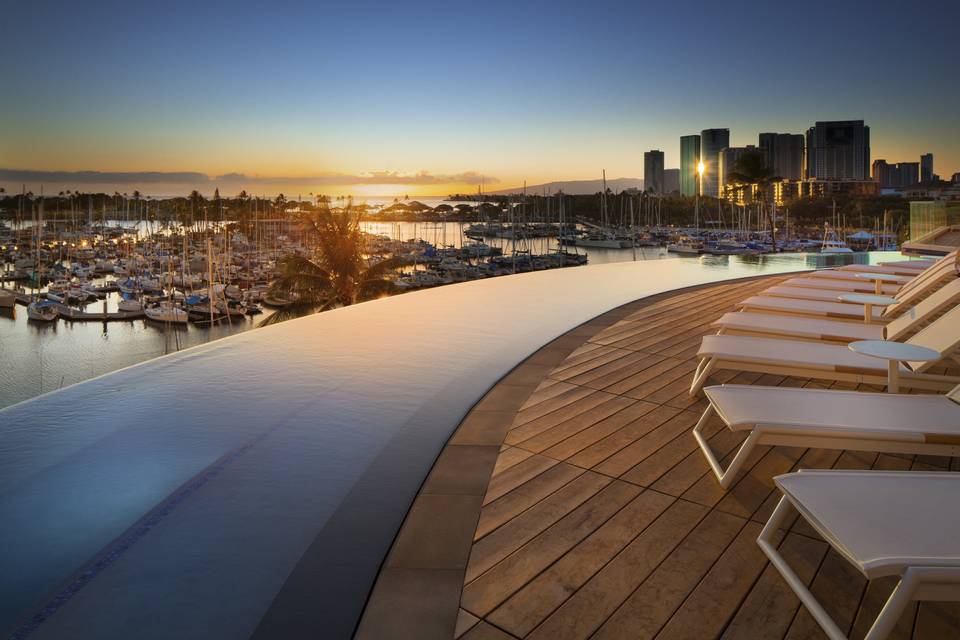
(603, 520)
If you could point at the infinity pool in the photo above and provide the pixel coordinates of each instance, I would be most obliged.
(174, 498)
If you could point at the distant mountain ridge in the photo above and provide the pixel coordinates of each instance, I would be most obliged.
(575, 187)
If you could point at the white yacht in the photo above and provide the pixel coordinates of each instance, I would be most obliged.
(598, 239)
(166, 311)
(686, 246)
(832, 244)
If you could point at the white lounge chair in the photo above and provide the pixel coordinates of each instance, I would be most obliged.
(907, 268)
(917, 265)
(815, 308)
(810, 302)
(828, 294)
(828, 419)
(866, 286)
(885, 523)
(826, 330)
(831, 361)
(822, 285)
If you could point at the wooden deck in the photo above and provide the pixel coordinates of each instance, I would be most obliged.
(601, 519)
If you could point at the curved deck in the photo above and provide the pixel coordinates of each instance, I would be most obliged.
(573, 503)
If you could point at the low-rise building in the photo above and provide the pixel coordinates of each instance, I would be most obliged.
(785, 190)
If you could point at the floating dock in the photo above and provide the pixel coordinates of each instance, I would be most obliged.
(78, 315)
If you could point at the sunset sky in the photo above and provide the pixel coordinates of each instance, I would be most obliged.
(424, 98)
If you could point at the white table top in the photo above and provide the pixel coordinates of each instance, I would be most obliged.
(867, 298)
(883, 277)
(891, 350)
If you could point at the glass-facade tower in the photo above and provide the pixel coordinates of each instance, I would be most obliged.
(689, 157)
(712, 141)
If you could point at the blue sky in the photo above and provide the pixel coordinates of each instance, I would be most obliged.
(535, 91)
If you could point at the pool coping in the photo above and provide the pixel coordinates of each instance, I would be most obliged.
(418, 587)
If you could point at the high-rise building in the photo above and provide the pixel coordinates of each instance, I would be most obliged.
(909, 173)
(926, 167)
(653, 171)
(896, 176)
(689, 159)
(885, 175)
(783, 153)
(671, 180)
(838, 150)
(727, 161)
(711, 142)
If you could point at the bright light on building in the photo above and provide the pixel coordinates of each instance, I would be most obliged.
(700, 168)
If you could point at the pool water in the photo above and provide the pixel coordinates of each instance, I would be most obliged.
(173, 498)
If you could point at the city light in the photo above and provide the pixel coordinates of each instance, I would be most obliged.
(700, 168)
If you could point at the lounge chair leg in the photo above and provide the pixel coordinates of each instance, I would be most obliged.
(704, 369)
(765, 540)
(725, 478)
(902, 596)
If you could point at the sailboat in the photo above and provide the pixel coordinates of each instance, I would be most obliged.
(598, 237)
(128, 302)
(166, 311)
(42, 311)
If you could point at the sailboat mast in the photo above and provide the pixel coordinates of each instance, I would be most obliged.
(210, 276)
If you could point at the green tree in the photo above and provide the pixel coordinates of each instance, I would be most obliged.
(751, 168)
(336, 274)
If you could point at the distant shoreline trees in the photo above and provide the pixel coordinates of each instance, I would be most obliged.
(860, 211)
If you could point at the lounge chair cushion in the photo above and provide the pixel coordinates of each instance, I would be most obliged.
(799, 326)
(882, 521)
(920, 418)
(807, 293)
(866, 286)
(808, 307)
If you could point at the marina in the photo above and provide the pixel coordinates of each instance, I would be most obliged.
(139, 290)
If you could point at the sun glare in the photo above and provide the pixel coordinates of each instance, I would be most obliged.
(380, 190)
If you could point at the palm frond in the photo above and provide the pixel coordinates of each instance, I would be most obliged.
(336, 273)
(370, 289)
(383, 267)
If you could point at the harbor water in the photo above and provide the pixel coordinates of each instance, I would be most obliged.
(38, 358)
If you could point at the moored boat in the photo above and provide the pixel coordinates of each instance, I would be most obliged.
(42, 311)
(166, 311)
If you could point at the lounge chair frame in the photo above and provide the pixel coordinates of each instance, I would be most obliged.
(916, 583)
(763, 434)
(909, 379)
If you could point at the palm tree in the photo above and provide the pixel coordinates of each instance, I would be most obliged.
(336, 275)
(751, 168)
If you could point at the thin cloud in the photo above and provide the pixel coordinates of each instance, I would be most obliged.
(196, 178)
